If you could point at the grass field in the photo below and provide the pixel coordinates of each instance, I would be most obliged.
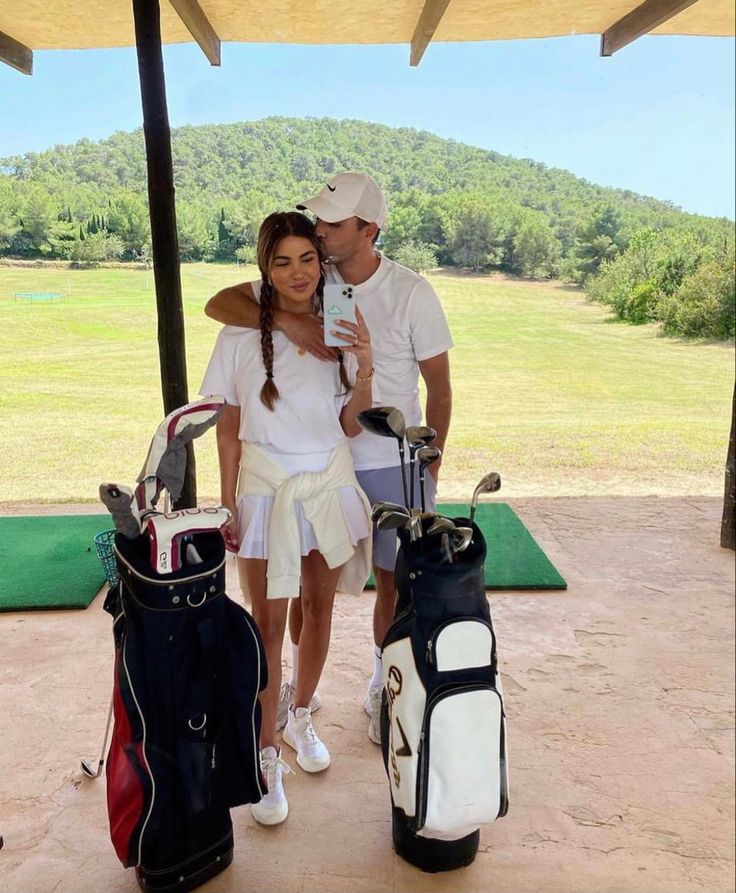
(547, 390)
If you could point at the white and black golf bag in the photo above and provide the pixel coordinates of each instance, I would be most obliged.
(443, 729)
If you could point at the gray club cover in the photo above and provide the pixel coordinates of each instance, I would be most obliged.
(173, 463)
(171, 467)
(119, 502)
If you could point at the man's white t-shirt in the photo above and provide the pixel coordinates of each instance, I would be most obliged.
(407, 325)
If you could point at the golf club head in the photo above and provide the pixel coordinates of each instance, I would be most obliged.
(385, 421)
(489, 483)
(461, 538)
(441, 525)
(420, 435)
(415, 527)
(426, 455)
(380, 507)
(88, 770)
(393, 520)
(447, 554)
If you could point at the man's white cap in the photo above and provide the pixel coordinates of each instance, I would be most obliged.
(349, 195)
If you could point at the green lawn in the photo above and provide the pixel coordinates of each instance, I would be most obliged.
(547, 390)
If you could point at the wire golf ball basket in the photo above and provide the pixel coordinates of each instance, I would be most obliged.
(104, 545)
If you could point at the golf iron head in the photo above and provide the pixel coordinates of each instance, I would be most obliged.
(393, 520)
(489, 483)
(426, 455)
(380, 507)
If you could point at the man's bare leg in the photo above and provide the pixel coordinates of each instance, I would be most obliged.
(383, 610)
(383, 615)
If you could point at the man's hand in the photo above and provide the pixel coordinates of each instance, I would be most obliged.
(306, 332)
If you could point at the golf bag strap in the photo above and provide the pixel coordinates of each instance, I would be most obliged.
(166, 533)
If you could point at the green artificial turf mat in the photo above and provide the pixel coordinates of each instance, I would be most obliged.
(49, 561)
(514, 559)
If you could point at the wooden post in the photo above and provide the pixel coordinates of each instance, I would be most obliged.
(162, 209)
(728, 522)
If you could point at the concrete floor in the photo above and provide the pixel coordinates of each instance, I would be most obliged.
(620, 701)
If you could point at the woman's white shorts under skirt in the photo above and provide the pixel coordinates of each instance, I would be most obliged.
(254, 518)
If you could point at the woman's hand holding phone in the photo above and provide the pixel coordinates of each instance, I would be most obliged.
(357, 341)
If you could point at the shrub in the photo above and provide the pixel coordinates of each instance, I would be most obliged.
(418, 256)
(97, 247)
(704, 305)
(642, 303)
(246, 254)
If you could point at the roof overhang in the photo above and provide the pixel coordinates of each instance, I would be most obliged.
(28, 25)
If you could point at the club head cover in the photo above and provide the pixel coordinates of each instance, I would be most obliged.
(119, 501)
(166, 533)
(166, 461)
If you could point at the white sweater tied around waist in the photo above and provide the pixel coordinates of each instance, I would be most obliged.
(317, 491)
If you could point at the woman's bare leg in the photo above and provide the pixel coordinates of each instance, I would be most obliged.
(318, 595)
(270, 616)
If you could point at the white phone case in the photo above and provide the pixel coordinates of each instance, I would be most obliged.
(339, 303)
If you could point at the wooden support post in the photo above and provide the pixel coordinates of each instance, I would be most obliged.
(167, 278)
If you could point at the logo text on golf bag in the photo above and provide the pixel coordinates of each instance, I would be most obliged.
(394, 685)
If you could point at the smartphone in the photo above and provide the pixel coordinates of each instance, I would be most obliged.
(338, 303)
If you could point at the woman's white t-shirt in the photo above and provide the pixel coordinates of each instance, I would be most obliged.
(306, 418)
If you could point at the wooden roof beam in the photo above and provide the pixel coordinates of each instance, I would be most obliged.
(198, 25)
(426, 26)
(640, 21)
(15, 54)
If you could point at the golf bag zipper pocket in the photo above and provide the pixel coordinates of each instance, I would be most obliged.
(461, 783)
(460, 644)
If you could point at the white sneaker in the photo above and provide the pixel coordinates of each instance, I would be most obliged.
(286, 699)
(372, 706)
(311, 754)
(272, 809)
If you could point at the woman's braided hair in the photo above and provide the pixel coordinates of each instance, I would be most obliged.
(274, 228)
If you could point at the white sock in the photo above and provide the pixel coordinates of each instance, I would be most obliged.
(377, 677)
(294, 664)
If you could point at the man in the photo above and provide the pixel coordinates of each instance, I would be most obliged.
(409, 337)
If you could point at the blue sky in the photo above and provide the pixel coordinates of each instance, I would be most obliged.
(657, 118)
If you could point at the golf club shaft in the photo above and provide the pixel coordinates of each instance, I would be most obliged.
(412, 454)
(103, 750)
(403, 474)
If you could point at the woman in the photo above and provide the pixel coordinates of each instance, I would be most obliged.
(300, 518)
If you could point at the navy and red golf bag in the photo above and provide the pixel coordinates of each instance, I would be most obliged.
(443, 725)
(189, 664)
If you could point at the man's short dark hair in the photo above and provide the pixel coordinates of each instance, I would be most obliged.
(362, 225)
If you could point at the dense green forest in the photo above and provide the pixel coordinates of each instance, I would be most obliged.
(450, 204)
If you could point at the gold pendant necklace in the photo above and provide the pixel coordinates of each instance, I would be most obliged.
(300, 352)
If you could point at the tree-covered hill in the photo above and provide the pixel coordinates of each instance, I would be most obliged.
(449, 202)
